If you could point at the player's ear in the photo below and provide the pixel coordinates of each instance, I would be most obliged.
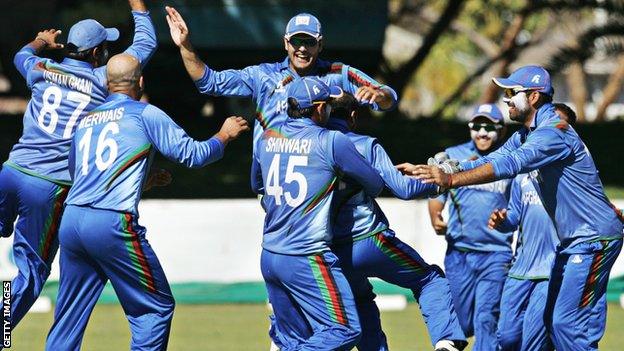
(94, 54)
(285, 44)
(352, 119)
(320, 45)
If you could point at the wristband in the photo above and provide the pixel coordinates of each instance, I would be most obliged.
(44, 42)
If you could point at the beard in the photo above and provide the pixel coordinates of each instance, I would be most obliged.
(522, 108)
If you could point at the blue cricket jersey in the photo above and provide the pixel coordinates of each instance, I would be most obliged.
(62, 94)
(537, 237)
(300, 164)
(357, 215)
(471, 207)
(266, 85)
(111, 153)
(571, 190)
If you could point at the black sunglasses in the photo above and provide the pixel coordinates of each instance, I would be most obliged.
(299, 42)
(489, 127)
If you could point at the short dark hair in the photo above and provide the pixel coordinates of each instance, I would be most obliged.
(72, 52)
(545, 98)
(294, 111)
(343, 106)
(568, 112)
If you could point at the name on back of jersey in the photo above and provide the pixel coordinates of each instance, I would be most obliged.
(69, 81)
(100, 117)
(291, 146)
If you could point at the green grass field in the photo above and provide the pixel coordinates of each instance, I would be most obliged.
(239, 327)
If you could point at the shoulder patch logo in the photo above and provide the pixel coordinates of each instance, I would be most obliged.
(577, 259)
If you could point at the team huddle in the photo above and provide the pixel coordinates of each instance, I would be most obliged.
(76, 176)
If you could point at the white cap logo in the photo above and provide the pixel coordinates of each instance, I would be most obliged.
(316, 90)
(302, 20)
(535, 79)
(485, 108)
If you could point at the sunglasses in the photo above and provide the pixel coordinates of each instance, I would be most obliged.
(489, 127)
(510, 92)
(299, 42)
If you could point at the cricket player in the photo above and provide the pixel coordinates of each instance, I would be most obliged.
(521, 323)
(477, 258)
(34, 181)
(367, 247)
(589, 230)
(265, 83)
(300, 163)
(100, 236)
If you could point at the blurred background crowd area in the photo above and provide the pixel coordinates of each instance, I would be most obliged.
(438, 55)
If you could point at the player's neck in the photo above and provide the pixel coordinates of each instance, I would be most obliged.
(132, 93)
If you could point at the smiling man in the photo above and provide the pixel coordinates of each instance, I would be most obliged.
(589, 230)
(266, 83)
(477, 257)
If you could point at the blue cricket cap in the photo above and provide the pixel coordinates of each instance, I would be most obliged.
(304, 23)
(310, 90)
(527, 77)
(489, 111)
(89, 33)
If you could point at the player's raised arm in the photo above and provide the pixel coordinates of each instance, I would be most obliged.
(180, 36)
(367, 90)
(144, 42)
(227, 83)
(27, 56)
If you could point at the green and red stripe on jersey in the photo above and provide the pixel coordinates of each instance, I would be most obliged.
(137, 256)
(329, 290)
(325, 190)
(596, 272)
(134, 157)
(397, 255)
(51, 227)
(359, 79)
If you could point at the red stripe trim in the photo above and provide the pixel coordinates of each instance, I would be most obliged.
(334, 293)
(140, 254)
(592, 278)
(412, 262)
(52, 232)
(127, 165)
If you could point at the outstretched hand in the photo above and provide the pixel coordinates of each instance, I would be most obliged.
(48, 38)
(432, 174)
(157, 177)
(177, 27)
(438, 223)
(232, 128)
(497, 217)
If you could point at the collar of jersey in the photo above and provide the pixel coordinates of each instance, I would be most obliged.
(303, 121)
(338, 124)
(543, 114)
(72, 62)
(117, 97)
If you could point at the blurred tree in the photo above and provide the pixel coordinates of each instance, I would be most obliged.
(485, 38)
